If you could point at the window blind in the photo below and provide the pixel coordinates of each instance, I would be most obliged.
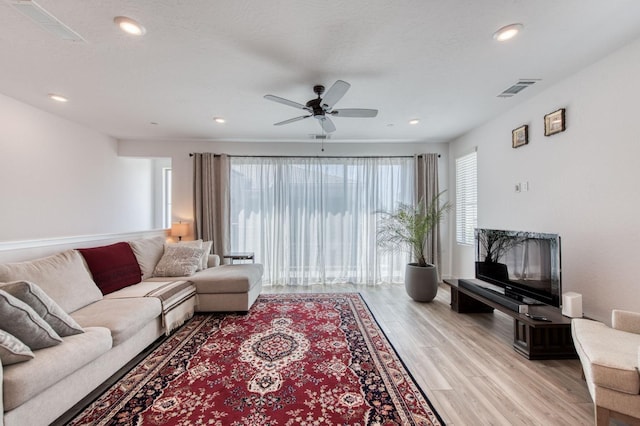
(466, 198)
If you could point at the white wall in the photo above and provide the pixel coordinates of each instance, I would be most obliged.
(584, 182)
(59, 179)
(182, 164)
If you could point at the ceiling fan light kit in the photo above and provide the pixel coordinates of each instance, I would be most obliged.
(321, 108)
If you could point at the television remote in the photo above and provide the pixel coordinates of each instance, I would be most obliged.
(537, 317)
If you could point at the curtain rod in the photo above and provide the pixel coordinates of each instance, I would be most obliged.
(314, 156)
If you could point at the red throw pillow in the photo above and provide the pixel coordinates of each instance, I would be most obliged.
(113, 267)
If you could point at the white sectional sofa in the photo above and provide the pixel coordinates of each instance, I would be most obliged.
(117, 326)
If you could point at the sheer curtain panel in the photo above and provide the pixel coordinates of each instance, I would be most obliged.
(313, 220)
(211, 200)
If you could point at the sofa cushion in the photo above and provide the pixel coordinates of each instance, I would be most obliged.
(611, 355)
(148, 251)
(12, 350)
(44, 306)
(62, 276)
(179, 261)
(238, 278)
(25, 380)
(113, 267)
(123, 317)
(18, 319)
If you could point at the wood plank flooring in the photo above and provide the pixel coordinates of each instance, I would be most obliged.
(466, 365)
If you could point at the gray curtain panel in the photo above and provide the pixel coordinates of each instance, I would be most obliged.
(211, 200)
(425, 189)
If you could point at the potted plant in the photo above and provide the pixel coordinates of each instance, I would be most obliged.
(408, 227)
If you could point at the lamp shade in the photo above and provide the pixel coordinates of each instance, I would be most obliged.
(179, 229)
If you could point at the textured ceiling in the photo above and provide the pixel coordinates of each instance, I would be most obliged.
(433, 60)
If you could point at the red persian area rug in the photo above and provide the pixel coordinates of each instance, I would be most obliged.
(294, 359)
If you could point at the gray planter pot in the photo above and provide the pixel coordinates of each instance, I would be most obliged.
(421, 282)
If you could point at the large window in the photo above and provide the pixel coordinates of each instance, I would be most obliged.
(466, 198)
(313, 220)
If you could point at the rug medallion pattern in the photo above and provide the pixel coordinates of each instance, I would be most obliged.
(294, 359)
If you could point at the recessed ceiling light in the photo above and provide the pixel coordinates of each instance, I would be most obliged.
(508, 32)
(58, 98)
(219, 120)
(129, 25)
(414, 121)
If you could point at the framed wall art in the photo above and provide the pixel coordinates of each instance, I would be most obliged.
(554, 122)
(520, 136)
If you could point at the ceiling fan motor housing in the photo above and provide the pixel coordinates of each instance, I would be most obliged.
(316, 107)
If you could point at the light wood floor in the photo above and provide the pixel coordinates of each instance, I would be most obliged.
(466, 365)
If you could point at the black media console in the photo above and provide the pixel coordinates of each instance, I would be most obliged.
(532, 339)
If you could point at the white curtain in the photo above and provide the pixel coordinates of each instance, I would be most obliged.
(313, 220)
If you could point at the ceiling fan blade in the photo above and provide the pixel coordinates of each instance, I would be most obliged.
(291, 120)
(355, 112)
(284, 101)
(326, 124)
(335, 93)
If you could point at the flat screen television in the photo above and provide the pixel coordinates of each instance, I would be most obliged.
(525, 264)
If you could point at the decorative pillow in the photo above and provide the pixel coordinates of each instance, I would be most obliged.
(206, 245)
(18, 319)
(63, 276)
(179, 261)
(12, 350)
(148, 251)
(113, 267)
(44, 306)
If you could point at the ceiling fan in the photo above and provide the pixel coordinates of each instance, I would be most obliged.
(321, 108)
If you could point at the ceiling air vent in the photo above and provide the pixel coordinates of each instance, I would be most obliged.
(518, 87)
(44, 19)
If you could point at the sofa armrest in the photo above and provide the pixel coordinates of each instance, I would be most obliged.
(625, 321)
(214, 260)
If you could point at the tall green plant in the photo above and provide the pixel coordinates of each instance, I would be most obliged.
(408, 226)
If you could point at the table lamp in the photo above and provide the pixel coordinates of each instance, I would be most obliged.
(179, 230)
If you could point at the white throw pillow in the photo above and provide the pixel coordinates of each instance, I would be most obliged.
(207, 251)
(179, 261)
(206, 245)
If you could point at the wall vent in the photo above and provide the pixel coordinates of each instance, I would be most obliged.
(518, 87)
(319, 137)
(45, 20)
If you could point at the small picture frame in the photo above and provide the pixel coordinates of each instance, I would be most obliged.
(554, 122)
(520, 136)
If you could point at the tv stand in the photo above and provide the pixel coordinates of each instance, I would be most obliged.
(531, 339)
